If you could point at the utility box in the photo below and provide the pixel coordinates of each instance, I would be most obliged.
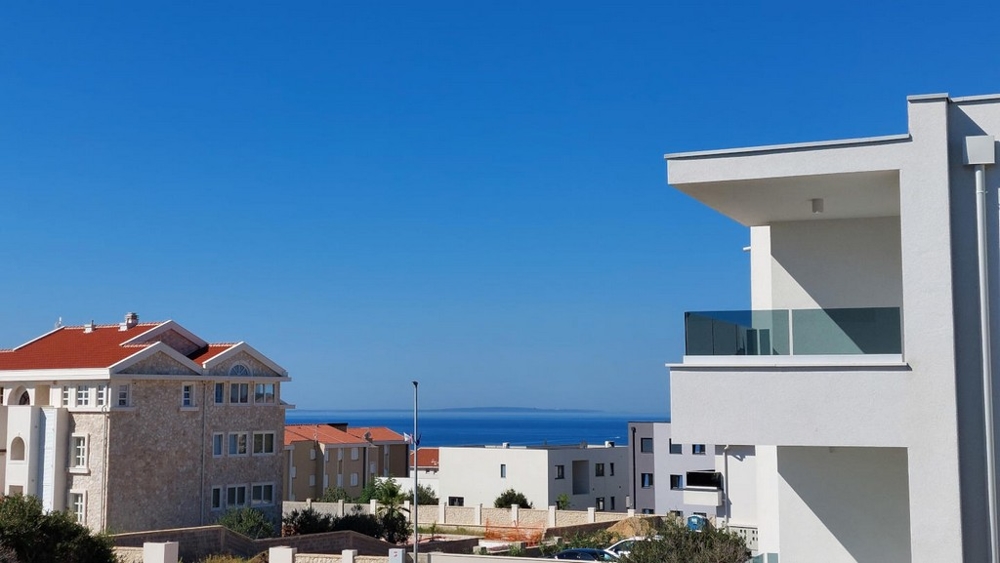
(979, 149)
(397, 555)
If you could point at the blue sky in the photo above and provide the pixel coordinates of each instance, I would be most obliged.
(471, 194)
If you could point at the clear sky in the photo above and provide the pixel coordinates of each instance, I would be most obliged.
(471, 194)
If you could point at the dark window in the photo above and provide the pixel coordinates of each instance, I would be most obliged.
(647, 480)
(612, 469)
(612, 503)
(598, 470)
(600, 504)
(676, 448)
(646, 445)
(503, 470)
(456, 501)
(676, 482)
(647, 510)
(698, 449)
(560, 472)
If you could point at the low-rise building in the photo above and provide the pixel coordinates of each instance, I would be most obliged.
(588, 475)
(324, 456)
(139, 426)
(428, 464)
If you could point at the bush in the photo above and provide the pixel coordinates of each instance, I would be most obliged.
(308, 521)
(250, 522)
(677, 544)
(425, 495)
(29, 534)
(334, 495)
(509, 498)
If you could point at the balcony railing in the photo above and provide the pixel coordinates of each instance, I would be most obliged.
(789, 332)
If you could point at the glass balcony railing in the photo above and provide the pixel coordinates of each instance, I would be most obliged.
(785, 332)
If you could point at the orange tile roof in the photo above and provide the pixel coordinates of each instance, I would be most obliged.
(71, 347)
(209, 352)
(322, 433)
(378, 434)
(426, 457)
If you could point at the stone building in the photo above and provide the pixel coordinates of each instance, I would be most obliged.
(139, 426)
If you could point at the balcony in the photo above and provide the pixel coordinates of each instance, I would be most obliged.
(702, 496)
(794, 332)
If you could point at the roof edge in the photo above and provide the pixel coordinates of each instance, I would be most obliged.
(791, 147)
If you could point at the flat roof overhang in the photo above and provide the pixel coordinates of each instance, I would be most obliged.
(857, 178)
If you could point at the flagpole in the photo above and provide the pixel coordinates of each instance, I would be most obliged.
(415, 440)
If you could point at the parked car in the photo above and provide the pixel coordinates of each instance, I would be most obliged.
(585, 554)
(623, 547)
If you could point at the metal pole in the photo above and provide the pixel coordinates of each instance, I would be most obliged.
(416, 521)
(984, 305)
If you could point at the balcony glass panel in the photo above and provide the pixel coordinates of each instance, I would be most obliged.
(869, 330)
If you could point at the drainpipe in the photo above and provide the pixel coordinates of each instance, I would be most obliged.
(725, 482)
(633, 469)
(980, 151)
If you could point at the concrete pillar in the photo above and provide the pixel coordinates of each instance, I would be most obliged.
(309, 503)
(409, 513)
(348, 555)
(396, 555)
(283, 554)
(552, 517)
(442, 510)
(340, 508)
(374, 506)
(631, 512)
(591, 515)
(477, 517)
(160, 552)
(514, 513)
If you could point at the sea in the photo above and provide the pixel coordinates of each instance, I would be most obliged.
(469, 427)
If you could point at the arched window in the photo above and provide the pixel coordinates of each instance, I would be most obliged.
(239, 370)
(17, 449)
(25, 399)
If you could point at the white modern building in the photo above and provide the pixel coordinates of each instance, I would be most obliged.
(668, 477)
(589, 475)
(858, 374)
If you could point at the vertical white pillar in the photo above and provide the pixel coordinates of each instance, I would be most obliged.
(160, 552)
(283, 554)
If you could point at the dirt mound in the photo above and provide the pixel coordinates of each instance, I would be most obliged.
(636, 526)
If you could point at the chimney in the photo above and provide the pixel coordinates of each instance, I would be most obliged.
(88, 328)
(131, 319)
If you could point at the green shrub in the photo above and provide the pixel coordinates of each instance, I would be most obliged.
(425, 495)
(677, 544)
(334, 495)
(250, 522)
(28, 534)
(308, 521)
(509, 498)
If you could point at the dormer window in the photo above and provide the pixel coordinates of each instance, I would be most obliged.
(239, 370)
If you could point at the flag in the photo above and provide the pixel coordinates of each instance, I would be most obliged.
(408, 438)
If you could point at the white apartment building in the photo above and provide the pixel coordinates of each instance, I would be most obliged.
(858, 374)
(667, 477)
(590, 475)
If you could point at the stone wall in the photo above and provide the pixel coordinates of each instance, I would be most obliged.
(91, 479)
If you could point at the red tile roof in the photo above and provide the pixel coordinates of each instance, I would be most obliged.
(323, 433)
(378, 434)
(426, 457)
(71, 347)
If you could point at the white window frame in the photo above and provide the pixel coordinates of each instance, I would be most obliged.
(354, 454)
(231, 445)
(79, 450)
(123, 395)
(219, 394)
(78, 509)
(340, 454)
(218, 500)
(238, 388)
(261, 487)
(260, 393)
(83, 395)
(263, 436)
(218, 445)
(240, 370)
(187, 395)
(354, 479)
(102, 395)
(67, 396)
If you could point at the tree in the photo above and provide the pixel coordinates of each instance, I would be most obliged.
(28, 534)
(250, 522)
(425, 495)
(509, 498)
(674, 543)
(562, 502)
(308, 521)
(334, 495)
(395, 525)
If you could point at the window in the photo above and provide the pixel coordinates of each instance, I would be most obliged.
(676, 448)
(123, 395)
(187, 395)
(263, 393)
(503, 470)
(326, 456)
(78, 505)
(647, 510)
(340, 480)
(312, 454)
(216, 498)
(239, 393)
(646, 445)
(326, 481)
(236, 495)
(79, 452)
(263, 443)
(560, 472)
(65, 396)
(676, 482)
(599, 503)
(612, 503)
(698, 449)
(17, 449)
(312, 480)
(647, 480)
(354, 453)
(220, 393)
(340, 454)
(678, 514)
(354, 479)
(239, 370)
(238, 444)
(456, 501)
(371, 468)
(83, 396)
(102, 395)
(612, 468)
(262, 494)
(598, 470)
(217, 440)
